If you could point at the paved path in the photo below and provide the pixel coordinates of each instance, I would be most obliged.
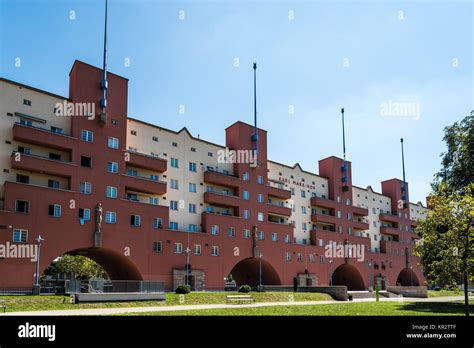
(123, 310)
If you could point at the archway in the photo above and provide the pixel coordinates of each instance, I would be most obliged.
(349, 276)
(407, 278)
(117, 266)
(248, 271)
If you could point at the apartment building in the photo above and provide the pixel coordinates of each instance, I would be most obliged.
(142, 200)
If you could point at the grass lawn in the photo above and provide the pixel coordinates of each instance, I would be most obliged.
(37, 303)
(342, 309)
(443, 293)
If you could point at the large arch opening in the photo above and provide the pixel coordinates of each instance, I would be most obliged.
(116, 265)
(248, 272)
(349, 276)
(407, 277)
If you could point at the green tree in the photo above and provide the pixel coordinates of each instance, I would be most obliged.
(81, 266)
(458, 161)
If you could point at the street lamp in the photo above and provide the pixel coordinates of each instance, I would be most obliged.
(330, 272)
(260, 272)
(187, 263)
(39, 239)
(369, 264)
(411, 275)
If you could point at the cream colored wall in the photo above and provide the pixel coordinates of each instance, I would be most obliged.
(376, 204)
(42, 106)
(418, 211)
(143, 143)
(319, 187)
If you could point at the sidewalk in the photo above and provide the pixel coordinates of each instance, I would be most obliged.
(109, 311)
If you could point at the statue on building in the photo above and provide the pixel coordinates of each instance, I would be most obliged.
(98, 226)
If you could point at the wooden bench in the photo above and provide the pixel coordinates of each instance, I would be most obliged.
(3, 304)
(240, 299)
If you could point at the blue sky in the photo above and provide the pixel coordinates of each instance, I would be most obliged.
(414, 52)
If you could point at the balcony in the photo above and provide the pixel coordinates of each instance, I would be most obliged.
(324, 218)
(392, 231)
(43, 137)
(360, 211)
(323, 202)
(222, 220)
(278, 192)
(413, 223)
(360, 225)
(393, 218)
(143, 161)
(221, 179)
(222, 200)
(278, 209)
(145, 185)
(42, 165)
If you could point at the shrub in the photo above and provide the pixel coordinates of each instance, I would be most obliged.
(183, 289)
(245, 288)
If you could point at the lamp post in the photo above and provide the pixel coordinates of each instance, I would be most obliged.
(186, 270)
(39, 239)
(411, 275)
(330, 272)
(369, 264)
(260, 272)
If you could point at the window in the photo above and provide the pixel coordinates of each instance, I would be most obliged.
(25, 122)
(174, 144)
(349, 231)
(214, 230)
(192, 228)
(303, 226)
(348, 201)
(274, 237)
(349, 216)
(85, 188)
(231, 232)
(132, 197)
(246, 176)
(157, 247)
(197, 249)
(53, 183)
(112, 167)
(192, 187)
(192, 167)
(157, 223)
(135, 220)
(24, 150)
(338, 214)
(303, 210)
(133, 132)
(303, 193)
(192, 208)
(215, 250)
(86, 162)
(178, 248)
(173, 225)
(260, 180)
(287, 238)
(113, 143)
(84, 214)
(375, 237)
(246, 195)
(311, 258)
(54, 210)
(20, 236)
(260, 198)
(299, 257)
(260, 216)
(261, 235)
(110, 217)
(87, 136)
(321, 258)
(153, 177)
(246, 215)
(111, 192)
(287, 256)
(374, 211)
(174, 162)
(246, 234)
(292, 190)
(338, 199)
(339, 229)
(174, 184)
(174, 205)
(153, 200)
(321, 242)
(24, 179)
(154, 138)
(54, 156)
(22, 207)
(26, 102)
(375, 223)
(132, 172)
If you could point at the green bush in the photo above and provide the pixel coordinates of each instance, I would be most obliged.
(183, 289)
(245, 288)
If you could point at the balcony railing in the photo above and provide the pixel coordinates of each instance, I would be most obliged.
(143, 184)
(43, 165)
(278, 209)
(278, 192)
(43, 137)
(323, 202)
(324, 218)
(221, 199)
(141, 160)
(222, 179)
